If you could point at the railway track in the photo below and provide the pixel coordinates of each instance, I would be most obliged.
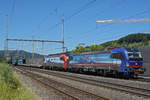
(142, 79)
(122, 88)
(71, 92)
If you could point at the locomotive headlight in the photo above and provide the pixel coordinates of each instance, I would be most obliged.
(127, 64)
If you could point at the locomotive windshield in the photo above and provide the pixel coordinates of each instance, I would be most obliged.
(134, 54)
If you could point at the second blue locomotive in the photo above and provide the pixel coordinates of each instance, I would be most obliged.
(18, 61)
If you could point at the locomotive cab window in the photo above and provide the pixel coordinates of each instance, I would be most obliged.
(70, 57)
(62, 58)
(117, 56)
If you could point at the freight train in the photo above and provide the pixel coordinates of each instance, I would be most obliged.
(118, 62)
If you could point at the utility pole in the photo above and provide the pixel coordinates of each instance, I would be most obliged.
(6, 40)
(42, 47)
(32, 48)
(22, 46)
(63, 43)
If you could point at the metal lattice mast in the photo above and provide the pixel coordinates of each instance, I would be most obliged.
(63, 33)
(6, 39)
(32, 49)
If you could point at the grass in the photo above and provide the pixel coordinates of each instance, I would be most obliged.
(10, 87)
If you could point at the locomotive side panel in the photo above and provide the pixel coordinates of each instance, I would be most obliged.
(95, 62)
(53, 62)
(118, 62)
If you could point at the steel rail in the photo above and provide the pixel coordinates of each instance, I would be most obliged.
(127, 89)
(46, 85)
(88, 94)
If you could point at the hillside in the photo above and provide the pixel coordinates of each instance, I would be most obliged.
(14, 53)
(138, 40)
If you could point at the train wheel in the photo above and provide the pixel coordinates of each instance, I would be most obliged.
(136, 76)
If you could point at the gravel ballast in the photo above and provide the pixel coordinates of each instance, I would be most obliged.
(108, 93)
(39, 90)
(137, 84)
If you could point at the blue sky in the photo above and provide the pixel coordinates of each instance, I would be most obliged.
(42, 20)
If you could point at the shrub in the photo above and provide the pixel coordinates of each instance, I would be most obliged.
(10, 87)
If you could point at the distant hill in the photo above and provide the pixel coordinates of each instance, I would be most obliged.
(137, 40)
(22, 53)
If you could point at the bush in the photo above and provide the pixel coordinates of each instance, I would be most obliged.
(10, 87)
(1, 60)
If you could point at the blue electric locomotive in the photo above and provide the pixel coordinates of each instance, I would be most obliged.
(18, 61)
(118, 62)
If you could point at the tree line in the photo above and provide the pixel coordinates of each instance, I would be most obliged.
(137, 40)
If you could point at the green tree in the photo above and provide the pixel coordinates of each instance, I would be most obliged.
(96, 47)
(114, 44)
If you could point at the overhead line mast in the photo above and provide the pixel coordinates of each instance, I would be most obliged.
(63, 43)
(6, 40)
(35, 40)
